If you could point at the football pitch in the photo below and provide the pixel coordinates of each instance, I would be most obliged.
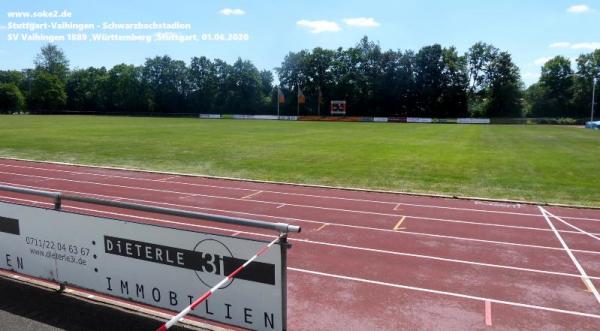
(538, 163)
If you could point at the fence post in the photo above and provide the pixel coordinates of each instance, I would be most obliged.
(284, 245)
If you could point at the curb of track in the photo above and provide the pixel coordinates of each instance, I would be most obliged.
(355, 189)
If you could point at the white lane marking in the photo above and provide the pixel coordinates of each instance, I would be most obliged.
(396, 207)
(246, 198)
(321, 227)
(452, 294)
(571, 225)
(320, 243)
(435, 258)
(297, 194)
(398, 225)
(584, 275)
(319, 222)
(165, 179)
(281, 206)
(251, 195)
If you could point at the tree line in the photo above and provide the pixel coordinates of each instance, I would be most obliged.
(562, 91)
(435, 81)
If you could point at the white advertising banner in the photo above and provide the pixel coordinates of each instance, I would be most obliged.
(419, 120)
(473, 121)
(288, 118)
(210, 116)
(255, 117)
(158, 266)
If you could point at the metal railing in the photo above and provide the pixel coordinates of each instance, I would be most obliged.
(60, 197)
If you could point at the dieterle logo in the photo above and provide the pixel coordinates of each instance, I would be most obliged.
(211, 260)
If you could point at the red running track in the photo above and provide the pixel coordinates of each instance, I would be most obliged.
(368, 260)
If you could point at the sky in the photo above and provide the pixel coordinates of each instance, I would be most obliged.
(531, 30)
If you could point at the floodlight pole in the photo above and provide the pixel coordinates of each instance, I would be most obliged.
(277, 89)
(593, 98)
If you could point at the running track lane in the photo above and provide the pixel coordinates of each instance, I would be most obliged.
(349, 267)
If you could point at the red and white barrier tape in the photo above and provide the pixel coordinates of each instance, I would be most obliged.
(205, 296)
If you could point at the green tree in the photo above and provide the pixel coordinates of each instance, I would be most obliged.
(86, 89)
(47, 93)
(534, 97)
(52, 60)
(167, 83)
(268, 94)
(454, 99)
(243, 88)
(480, 59)
(505, 91)
(441, 82)
(556, 89)
(319, 72)
(11, 77)
(293, 74)
(124, 90)
(203, 85)
(399, 83)
(11, 98)
(588, 67)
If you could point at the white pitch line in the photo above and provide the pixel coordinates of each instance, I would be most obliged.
(296, 194)
(317, 222)
(571, 225)
(451, 294)
(246, 198)
(320, 243)
(584, 276)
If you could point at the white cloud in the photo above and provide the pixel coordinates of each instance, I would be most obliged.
(365, 22)
(560, 45)
(578, 9)
(585, 45)
(232, 11)
(591, 46)
(319, 26)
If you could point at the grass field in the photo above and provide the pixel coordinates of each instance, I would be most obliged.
(541, 163)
